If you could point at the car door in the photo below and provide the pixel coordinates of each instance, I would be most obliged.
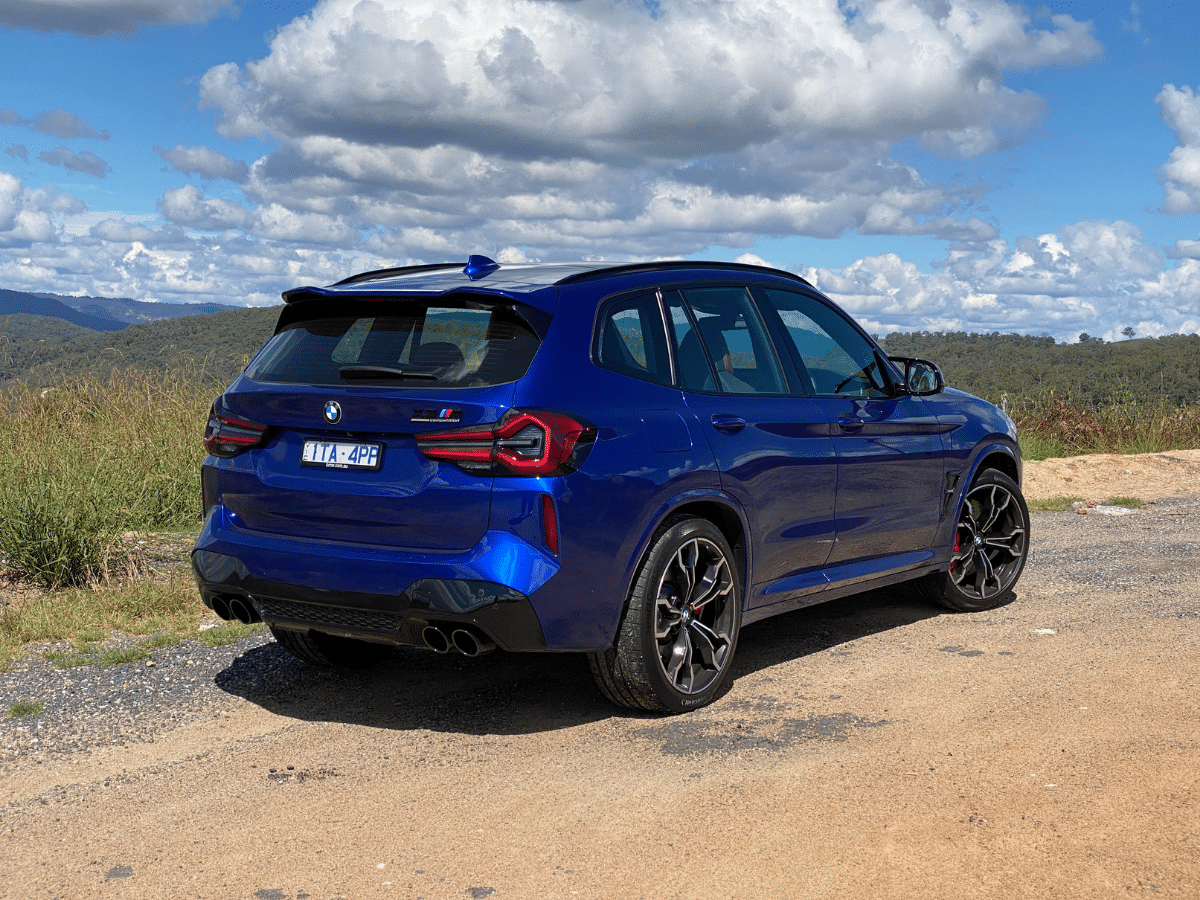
(772, 447)
(888, 443)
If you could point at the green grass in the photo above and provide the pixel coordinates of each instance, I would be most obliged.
(115, 656)
(1053, 426)
(85, 618)
(21, 708)
(1052, 504)
(1127, 502)
(90, 458)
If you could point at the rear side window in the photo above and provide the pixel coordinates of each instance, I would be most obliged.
(398, 342)
(631, 339)
(722, 343)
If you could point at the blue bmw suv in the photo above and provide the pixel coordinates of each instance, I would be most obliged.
(627, 461)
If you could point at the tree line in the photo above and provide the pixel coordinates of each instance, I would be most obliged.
(995, 366)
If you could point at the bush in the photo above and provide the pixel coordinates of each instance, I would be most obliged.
(48, 541)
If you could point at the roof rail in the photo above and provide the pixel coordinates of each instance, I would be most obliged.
(662, 265)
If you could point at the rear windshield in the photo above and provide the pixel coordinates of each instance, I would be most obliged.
(403, 342)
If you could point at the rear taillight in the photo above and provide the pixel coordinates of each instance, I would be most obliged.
(524, 442)
(227, 435)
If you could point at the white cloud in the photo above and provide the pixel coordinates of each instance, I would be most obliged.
(188, 207)
(86, 162)
(98, 17)
(84, 221)
(205, 162)
(1096, 277)
(1180, 176)
(27, 216)
(562, 125)
(65, 124)
(416, 131)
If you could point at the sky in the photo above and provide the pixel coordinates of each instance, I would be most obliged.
(936, 165)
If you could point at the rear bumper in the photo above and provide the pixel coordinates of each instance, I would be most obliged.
(374, 593)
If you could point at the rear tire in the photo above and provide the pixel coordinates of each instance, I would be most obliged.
(675, 645)
(991, 544)
(330, 651)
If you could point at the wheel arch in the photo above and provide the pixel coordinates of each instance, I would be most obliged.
(1002, 459)
(1004, 456)
(718, 508)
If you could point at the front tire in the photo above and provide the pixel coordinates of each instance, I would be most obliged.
(675, 646)
(330, 651)
(991, 544)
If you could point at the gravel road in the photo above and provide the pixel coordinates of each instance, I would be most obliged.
(871, 747)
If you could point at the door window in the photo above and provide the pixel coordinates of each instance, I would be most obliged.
(835, 359)
(722, 344)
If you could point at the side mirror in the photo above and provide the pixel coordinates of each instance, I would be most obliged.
(921, 377)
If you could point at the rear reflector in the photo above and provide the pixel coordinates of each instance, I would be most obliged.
(550, 523)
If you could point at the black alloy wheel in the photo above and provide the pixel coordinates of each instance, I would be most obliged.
(991, 544)
(677, 640)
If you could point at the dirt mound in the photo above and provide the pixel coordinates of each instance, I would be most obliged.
(1147, 476)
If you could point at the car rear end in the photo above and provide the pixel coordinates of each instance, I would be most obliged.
(349, 487)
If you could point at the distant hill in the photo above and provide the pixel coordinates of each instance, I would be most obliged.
(122, 309)
(17, 303)
(212, 347)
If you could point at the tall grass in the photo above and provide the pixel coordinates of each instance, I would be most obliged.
(1053, 426)
(86, 459)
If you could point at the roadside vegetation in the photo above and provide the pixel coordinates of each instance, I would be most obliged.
(1053, 426)
(98, 474)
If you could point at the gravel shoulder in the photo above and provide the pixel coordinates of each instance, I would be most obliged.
(872, 747)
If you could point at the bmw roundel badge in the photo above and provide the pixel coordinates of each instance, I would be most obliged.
(333, 412)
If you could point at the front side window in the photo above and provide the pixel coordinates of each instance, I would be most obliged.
(835, 359)
(398, 342)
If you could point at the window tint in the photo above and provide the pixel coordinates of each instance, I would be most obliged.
(835, 360)
(736, 347)
(415, 344)
(631, 339)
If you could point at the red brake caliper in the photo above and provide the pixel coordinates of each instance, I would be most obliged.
(954, 562)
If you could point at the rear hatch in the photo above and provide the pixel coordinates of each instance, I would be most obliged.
(343, 388)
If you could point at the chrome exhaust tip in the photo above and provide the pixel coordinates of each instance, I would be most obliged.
(435, 639)
(468, 643)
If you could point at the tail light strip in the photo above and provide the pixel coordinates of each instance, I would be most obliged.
(226, 436)
(531, 443)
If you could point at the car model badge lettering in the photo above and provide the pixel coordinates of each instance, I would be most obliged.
(333, 412)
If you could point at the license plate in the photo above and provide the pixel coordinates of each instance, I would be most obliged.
(342, 455)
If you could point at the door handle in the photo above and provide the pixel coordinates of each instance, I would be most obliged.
(728, 424)
(850, 424)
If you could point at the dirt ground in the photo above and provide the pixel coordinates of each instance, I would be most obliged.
(868, 748)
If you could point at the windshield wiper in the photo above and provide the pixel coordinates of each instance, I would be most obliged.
(350, 373)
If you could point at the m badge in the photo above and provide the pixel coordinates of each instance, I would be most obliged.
(445, 416)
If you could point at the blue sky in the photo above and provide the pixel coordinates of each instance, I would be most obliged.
(931, 164)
